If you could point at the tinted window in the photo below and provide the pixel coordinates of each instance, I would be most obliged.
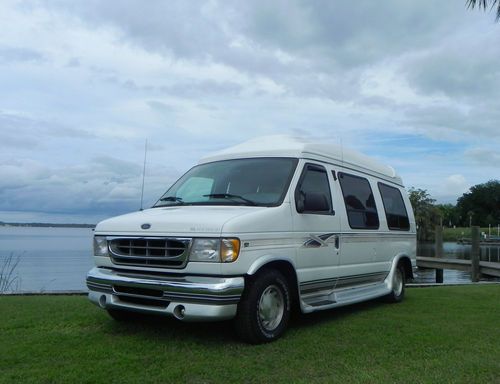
(359, 202)
(395, 210)
(314, 181)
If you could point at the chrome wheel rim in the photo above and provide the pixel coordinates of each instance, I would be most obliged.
(398, 282)
(271, 308)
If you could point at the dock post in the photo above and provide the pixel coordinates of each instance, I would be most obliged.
(439, 252)
(474, 254)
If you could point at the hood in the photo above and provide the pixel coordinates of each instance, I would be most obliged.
(175, 220)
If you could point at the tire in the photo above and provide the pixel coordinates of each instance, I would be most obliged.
(398, 285)
(264, 309)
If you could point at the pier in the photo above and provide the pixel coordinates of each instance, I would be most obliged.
(475, 266)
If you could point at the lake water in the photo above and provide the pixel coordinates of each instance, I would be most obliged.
(58, 259)
(453, 250)
(50, 259)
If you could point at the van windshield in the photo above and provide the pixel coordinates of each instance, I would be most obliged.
(254, 182)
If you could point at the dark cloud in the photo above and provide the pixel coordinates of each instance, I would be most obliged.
(345, 33)
(105, 184)
(25, 132)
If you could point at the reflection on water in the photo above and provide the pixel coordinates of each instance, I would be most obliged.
(460, 251)
(454, 251)
(450, 276)
(58, 259)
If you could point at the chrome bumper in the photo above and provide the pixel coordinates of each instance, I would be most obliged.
(189, 298)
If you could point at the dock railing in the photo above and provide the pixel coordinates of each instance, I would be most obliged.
(475, 266)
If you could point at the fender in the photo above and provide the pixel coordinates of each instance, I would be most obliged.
(395, 262)
(263, 260)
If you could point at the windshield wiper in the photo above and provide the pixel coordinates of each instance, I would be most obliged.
(230, 196)
(173, 198)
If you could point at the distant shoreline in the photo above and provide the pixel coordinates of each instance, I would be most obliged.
(47, 225)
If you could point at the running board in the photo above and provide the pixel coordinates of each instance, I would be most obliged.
(341, 297)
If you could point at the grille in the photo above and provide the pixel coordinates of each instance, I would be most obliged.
(157, 252)
(144, 301)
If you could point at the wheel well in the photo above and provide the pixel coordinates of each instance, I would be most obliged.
(288, 272)
(406, 263)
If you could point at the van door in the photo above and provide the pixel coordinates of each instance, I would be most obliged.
(361, 233)
(316, 229)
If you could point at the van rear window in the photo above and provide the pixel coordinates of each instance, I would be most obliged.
(359, 202)
(394, 206)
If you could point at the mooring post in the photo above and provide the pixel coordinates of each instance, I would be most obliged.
(439, 252)
(474, 254)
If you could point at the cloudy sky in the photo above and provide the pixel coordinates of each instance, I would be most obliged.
(83, 84)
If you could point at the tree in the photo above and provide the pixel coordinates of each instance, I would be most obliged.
(449, 214)
(484, 4)
(427, 216)
(481, 205)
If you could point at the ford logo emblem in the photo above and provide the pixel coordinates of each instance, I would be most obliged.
(146, 226)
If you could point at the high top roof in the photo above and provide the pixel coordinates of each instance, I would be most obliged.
(286, 146)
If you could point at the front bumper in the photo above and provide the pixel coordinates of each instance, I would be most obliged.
(189, 298)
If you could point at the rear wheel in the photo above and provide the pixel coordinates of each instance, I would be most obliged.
(264, 310)
(398, 285)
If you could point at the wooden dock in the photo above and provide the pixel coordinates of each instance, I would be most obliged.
(486, 268)
(475, 266)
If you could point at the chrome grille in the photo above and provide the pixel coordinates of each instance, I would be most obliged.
(150, 251)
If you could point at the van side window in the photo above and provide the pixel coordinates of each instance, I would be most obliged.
(359, 202)
(394, 206)
(313, 191)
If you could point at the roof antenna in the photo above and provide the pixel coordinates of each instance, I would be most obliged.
(144, 172)
(341, 152)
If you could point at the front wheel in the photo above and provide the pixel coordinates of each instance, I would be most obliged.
(264, 310)
(398, 285)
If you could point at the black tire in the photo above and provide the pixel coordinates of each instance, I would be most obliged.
(264, 309)
(398, 285)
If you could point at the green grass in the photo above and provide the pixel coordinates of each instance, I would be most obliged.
(437, 335)
(453, 234)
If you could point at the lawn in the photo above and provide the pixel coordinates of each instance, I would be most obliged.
(453, 234)
(437, 335)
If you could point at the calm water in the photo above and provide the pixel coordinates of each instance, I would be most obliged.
(454, 251)
(58, 259)
(50, 259)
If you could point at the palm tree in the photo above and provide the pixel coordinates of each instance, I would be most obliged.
(484, 4)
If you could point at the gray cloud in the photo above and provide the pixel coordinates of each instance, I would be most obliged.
(484, 156)
(25, 132)
(105, 184)
(346, 33)
(414, 82)
(349, 34)
(459, 69)
(17, 55)
(446, 122)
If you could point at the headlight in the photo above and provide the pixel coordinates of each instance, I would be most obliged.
(100, 246)
(215, 250)
(205, 250)
(229, 250)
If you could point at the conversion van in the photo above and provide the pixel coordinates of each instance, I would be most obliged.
(254, 231)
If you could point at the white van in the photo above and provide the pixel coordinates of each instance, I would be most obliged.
(256, 230)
